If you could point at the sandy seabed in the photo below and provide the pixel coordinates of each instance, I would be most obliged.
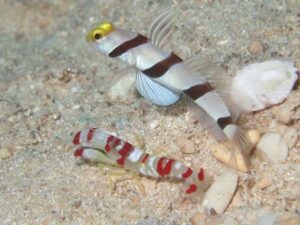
(53, 84)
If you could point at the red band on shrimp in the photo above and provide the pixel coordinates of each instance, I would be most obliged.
(168, 167)
(187, 173)
(76, 139)
(78, 152)
(90, 134)
(201, 175)
(160, 167)
(145, 158)
(108, 142)
(124, 152)
(192, 188)
(116, 142)
(164, 170)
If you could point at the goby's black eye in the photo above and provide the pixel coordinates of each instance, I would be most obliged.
(97, 36)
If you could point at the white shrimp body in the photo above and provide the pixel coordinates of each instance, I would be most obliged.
(98, 145)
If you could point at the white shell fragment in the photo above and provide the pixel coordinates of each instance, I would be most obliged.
(267, 219)
(185, 145)
(260, 85)
(5, 153)
(272, 147)
(291, 137)
(220, 193)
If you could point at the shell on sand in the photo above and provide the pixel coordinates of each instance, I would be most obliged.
(260, 85)
(220, 193)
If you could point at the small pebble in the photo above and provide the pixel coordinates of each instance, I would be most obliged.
(294, 193)
(220, 193)
(296, 115)
(154, 124)
(291, 137)
(282, 115)
(6, 153)
(123, 91)
(272, 148)
(256, 47)
(289, 221)
(131, 214)
(202, 219)
(77, 203)
(56, 116)
(199, 219)
(186, 146)
(148, 221)
(76, 107)
(122, 123)
(267, 219)
(264, 183)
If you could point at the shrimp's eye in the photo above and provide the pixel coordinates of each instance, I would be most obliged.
(98, 35)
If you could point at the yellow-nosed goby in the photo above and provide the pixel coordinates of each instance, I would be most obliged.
(163, 76)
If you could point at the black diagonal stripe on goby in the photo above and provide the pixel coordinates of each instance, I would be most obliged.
(198, 90)
(160, 68)
(224, 121)
(127, 45)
